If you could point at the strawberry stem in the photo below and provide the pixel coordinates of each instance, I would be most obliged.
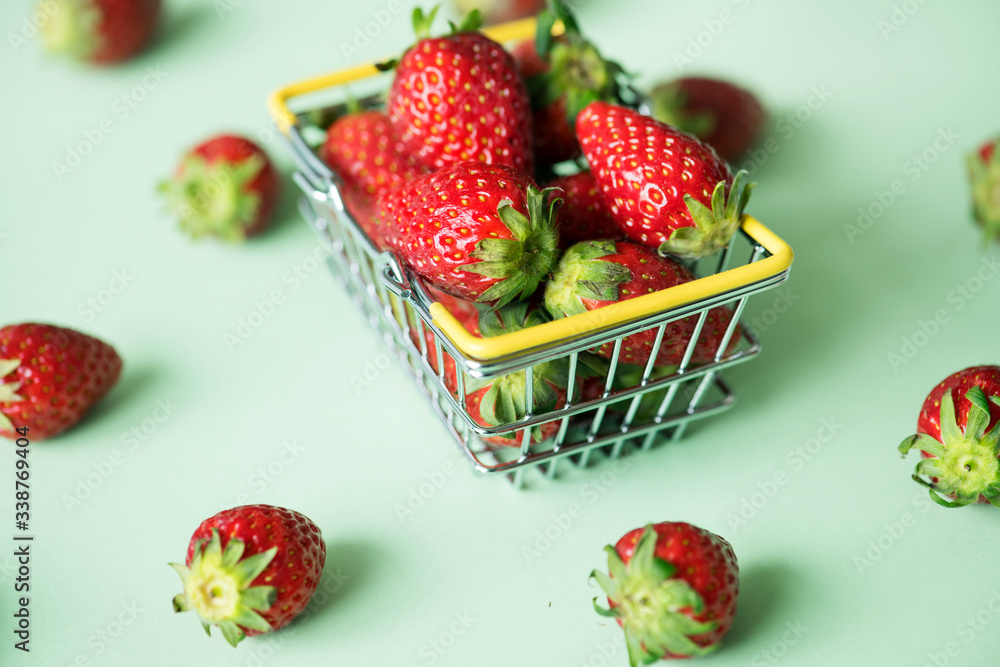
(964, 466)
(715, 226)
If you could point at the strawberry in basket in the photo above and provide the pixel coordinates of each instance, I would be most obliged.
(467, 314)
(583, 215)
(480, 232)
(503, 400)
(958, 436)
(363, 152)
(593, 274)
(564, 74)
(724, 116)
(673, 588)
(665, 189)
(459, 97)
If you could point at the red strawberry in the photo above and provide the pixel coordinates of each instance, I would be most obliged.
(251, 569)
(665, 189)
(503, 400)
(459, 98)
(50, 377)
(99, 31)
(361, 150)
(673, 588)
(583, 215)
(225, 187)
(501, 11)
(597, 273)
(480, 232)
(984, 175)
(564, 75)
(958, 437)
(724, 116)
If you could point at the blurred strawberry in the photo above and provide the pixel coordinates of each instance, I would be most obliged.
(99, 31)
(984, 174)
(224, 187)
(726, 117)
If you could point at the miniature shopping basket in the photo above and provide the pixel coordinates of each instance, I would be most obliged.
(653, 406)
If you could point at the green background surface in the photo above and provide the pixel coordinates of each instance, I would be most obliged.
(844, 562)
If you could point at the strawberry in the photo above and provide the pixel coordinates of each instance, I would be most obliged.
(50, 377)
(593, 274)
(958, 436)
(459, 98)
(99, 31)
(583, 215)
(564, 74)
(361, 150)
(503, 400)
(724, 116)
(984, 175)
(665, 189)
(250, 570)
(501, 11)
(481, 232)
(673, 589)
(225, 187)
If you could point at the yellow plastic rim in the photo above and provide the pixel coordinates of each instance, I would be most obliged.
(624, 311)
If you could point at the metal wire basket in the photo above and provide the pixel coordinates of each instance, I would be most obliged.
(653, 406)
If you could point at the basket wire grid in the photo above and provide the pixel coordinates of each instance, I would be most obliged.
(399, 306)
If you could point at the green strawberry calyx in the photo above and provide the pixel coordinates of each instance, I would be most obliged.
(217, 586)
(522, 262)
(984, 175)
(964, 464)
(583, 274)
(8, 392)
(713, 227)
(422, 23)
(72, 28)
(577, 70)
(214, 198)
(668, 101)
(505, 401)
(655, 608)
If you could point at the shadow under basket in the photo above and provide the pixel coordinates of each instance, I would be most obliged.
(610, 417)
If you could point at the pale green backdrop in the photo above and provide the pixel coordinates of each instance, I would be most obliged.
(844, 561)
